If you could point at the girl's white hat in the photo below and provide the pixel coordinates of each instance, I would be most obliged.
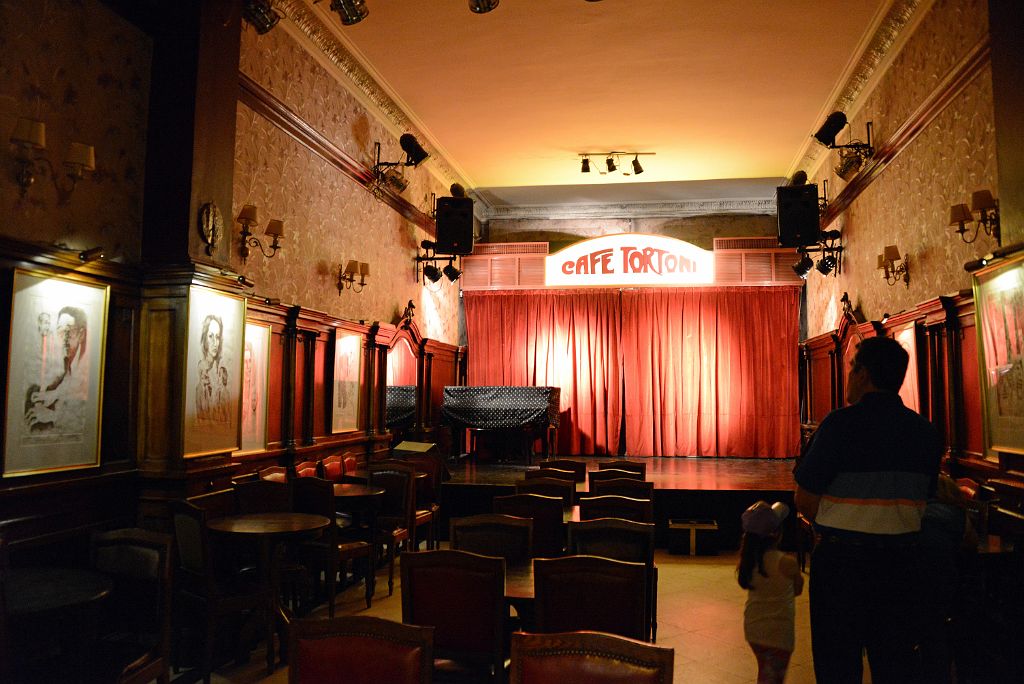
(762, 519)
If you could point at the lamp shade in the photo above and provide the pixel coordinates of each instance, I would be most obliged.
(81, 157)
(959, 214)
(881, 262)
(892, 253)
(275, 228)
(248, 215)
(364, 269)
(982, 200)
(30, 133)
(351, 267)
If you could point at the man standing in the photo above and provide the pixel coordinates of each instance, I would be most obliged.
(864, 481)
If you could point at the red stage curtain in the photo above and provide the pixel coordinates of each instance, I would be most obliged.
(711, 372)
(561, 338)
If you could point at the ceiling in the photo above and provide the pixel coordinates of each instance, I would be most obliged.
(725, 93)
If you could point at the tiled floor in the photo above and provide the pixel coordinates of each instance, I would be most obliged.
(700, 615)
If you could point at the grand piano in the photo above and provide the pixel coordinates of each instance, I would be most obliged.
(533, 411)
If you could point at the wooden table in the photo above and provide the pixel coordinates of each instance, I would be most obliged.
(268, 530)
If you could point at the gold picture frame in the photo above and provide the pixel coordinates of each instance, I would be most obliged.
(55, 363)
(999, 315)
(213, 372)
(346, 394)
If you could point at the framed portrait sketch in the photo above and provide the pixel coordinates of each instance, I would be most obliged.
(213, 371)
(255, 367)
(910, 391)
(348, 371)
(999, 311)
(54, 374)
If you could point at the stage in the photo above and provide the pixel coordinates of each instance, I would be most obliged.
(706, 488)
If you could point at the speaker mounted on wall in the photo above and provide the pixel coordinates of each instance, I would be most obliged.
(799, 222)
(454, 218)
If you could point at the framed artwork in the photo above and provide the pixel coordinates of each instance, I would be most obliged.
(255, 368)
(999, 311)
(213, 371)
(54, 374)
(910, 391)
(348, 372)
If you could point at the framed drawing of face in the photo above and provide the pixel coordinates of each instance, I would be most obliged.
(255, 366)
(999, 312)
(910, 391)
(213, 371)
(348, 372)
(54, 374)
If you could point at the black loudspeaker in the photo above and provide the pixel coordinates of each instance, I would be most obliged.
(799, 224)
(454, 217)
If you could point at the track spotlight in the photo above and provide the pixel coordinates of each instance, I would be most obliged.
(482, 6)
(826, 264)
(637, 169)
(849, 164)
(798, 178)
(610, 161)
(585, 165)
(260, 14)
(91, 254)
(350, 11)
(431, 272)
(451, 272)
(826, 135)
(415, 154)
(803, 267)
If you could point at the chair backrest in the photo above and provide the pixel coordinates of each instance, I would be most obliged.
(550, 472)
(611, 474)
(590, 593)
(623, 486)
(632, 466)
(471, 628)
(434, 467)
(275, 473)
(218, 503)
(263, 496)
(588, 657)
(611, 506)
(332, 468)
(192, 543)
(549, 486)
(139, 562)
(578, 468)
(546, 513)
(494, 534)
(306, 469)
(398, 480)
(359, 649)
(614, 538)
(315, 495)
(6, 668)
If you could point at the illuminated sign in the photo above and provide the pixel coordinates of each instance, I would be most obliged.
(630, 259)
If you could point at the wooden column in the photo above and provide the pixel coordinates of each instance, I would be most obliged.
(309, 338)
(291, 334)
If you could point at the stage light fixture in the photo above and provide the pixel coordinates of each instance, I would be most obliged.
(585, 165)
(431, 272)
(451, 272)
(350, 11)
(826, 135)
(260, 14)
(482, 6)
(803, 267)
(637, 169)
(849, 164)
(415, 154)
(610, 161)
(826, 264)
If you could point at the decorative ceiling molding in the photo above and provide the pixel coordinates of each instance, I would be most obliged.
(876, 55)
(629, 210)
(319, 34)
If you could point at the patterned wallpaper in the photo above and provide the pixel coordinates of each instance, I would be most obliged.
(908, 204)
(329, 218)
(84, 72)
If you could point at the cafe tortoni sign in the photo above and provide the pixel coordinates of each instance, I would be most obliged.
(630, 259)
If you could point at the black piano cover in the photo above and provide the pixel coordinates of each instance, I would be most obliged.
(400, 407)
(492, 408)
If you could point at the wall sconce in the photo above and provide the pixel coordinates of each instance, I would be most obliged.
(891, 272)
(29, 140)
(613, 162)
(347, 275)
(248, 217)
(986, 208)
(851, 155)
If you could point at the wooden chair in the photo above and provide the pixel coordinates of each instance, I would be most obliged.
(632, 466)
(7, 669)
(331, 551)
(395, 519)
(623, 486)
(622, 540)
(306, 469)
(590, 593)
(549, 486)
(588, 657)
(337, 467)
(494, 534)
(206, 583)
(428, 490)
(420, 516)
(263, 496)
(275, 473)
(546, 513)
(611, 474)
(549, 472)
(578, 468)
(610, 506)
(359, 650)
(135, 646)
(469, 633)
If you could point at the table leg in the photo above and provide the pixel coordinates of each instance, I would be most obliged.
(693, 541)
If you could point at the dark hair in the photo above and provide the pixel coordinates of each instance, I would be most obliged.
(752, 548)
(81, 323)
(211, 318)
(885, 360)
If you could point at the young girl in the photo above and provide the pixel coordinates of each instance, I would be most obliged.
(772, 579)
